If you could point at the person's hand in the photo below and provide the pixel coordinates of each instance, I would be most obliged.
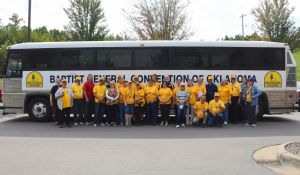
(87, 100)
(239, 102)
(125, 104)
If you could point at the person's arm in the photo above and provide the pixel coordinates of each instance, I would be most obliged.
(51, 104)
(118, 95)
(258, 93)
(59, 94)
(85, 94)
(124, 100)
(71, 97)
(107, 96)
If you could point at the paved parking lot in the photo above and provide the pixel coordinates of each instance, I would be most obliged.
(40, 148)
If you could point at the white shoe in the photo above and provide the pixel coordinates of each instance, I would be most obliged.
(166, 124)
(102, 124)
(95, 125)
(225, 123)
(253, 125)
(87, 123)
(177, 126)
(182, 125)
(81, 123)
(246, 124)
(162, 124)
(75, 124)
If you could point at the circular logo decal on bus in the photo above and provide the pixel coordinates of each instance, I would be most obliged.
(34, 80)
(273, 79)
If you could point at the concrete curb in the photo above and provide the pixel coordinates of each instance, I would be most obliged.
(276, 154)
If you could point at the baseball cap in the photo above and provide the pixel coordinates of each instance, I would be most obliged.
(101, 78)
(135, 77)
(217, 94)
(251, 79)
(210, 77)
(233, 76)
(182, 84)
(64, 80)
(78, 78)
(129, 82)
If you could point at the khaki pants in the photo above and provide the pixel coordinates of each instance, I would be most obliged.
(188, 117)
(196, 120)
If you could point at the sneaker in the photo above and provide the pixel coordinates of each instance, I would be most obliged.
(203, 125)
(81, 123)
(246, 124)
(253, 125)
(102, 124)
(75, 124)
(121, 124)
(95, 125)
(177, 126)
(56, 124)
(115, 125)
(166, 124)
(225, 123)
(162, 124)
(182, 125)
(87, 123)
(130, 125)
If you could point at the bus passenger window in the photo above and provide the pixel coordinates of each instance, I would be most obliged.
(14, 65)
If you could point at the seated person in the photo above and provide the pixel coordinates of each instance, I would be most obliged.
(216, 108)
(200, 110)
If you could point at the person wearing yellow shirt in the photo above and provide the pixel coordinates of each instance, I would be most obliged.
(139, 100)
(129, 104)
(200, 110)
(151, 93)
(99, 94)
(77, 89)
(119, 81)
(225, 97)
(122, 90)
(155, 82)
(235, 99)
(175, 90)
(216, 108)
(165, 97)
(64, 98)
(112, 100)
(135, 81)
(191, 100)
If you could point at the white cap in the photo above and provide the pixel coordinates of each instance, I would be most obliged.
(182, 84)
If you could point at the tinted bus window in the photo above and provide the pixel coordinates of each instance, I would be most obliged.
(82, 59)
(151, 58)
(42, 60)
(14, 65)
(114, 58)
(194, 58)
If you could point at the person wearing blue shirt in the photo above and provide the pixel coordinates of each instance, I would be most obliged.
(252, 95)
(244, 87)
(182, 105)
(211, 89)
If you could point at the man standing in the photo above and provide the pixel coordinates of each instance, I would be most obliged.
(211, 89)
(99, 94)
(64, 98)
(77, 89)
(236, 90)
(216, 108)
(182, 105)
(89, 98)
(53, 101)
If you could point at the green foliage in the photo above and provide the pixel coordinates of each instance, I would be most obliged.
(297, 58)
(275, 22)
(87, 20)
(252, 37)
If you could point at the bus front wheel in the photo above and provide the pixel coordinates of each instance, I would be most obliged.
(39, 109)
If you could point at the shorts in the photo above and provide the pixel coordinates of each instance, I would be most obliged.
(129, 109)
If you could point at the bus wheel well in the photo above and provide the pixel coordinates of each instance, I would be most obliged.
(29, 98)
(263, 104)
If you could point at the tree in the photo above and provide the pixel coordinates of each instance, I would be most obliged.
(252, 37)
(275, 22)
(159, 19)
(87, 20)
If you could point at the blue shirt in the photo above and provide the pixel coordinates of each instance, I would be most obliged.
(244, 90)
(210, 91)
(182, 95)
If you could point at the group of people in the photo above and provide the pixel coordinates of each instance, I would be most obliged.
(124, 103)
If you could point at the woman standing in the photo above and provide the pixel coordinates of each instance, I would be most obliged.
(165, 95)
(244, 87)
(225, 97)
(139, 101)
(252, 95)
(151, 92)
(129, 104)
(112, 100)
(182, 105)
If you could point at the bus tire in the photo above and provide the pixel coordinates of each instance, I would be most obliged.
(262, 106)
(39, 109)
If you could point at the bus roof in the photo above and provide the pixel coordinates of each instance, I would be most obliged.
(157, 43)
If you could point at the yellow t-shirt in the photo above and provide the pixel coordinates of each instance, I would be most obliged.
(134, 86)
(129, 96)
(195, 90)
(164, 94)
(122, 91)
(77, 91)
(138, 95)
(224, 92)
(151, 94)
(235, 88)
(66, 101)
(191, 99)
(175, 90)
(156, 84)
(118, 85)
(216, 107)
(100, 91)
(248, 95)
(199, 107)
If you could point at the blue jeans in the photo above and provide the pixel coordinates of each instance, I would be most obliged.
(122, 113)
(181, 114)
(151, 111)
(213, 120)
(99, 111)
(78, 110)
(225, 113)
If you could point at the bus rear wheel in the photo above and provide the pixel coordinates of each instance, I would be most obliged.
(39, 109)
(260, 109)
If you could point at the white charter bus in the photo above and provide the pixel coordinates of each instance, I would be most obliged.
(31, 68)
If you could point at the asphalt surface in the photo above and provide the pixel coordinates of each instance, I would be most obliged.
(27, 147)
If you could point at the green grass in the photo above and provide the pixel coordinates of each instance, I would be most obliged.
(297, 58)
